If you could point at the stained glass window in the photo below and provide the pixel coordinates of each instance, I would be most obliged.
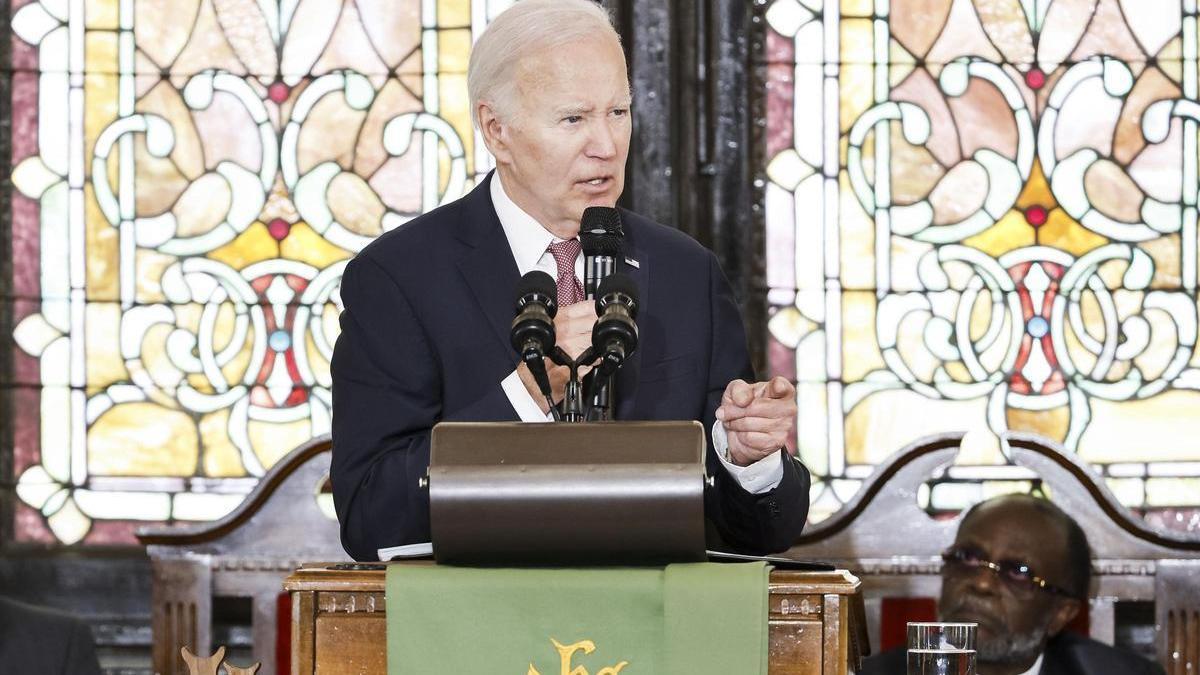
(981, 215)
(191, 177)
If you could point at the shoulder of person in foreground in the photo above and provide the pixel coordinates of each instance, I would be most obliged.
(649, 233)
(40, 640)
(417, 238)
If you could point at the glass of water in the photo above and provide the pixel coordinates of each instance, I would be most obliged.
(941, 648)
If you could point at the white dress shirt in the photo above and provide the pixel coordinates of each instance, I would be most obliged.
(529, 242)
(1037, 667)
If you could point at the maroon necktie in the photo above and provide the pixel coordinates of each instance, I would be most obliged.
(570, 291)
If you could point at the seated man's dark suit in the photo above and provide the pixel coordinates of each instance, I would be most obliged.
(425, 338)
(1066, 654)
(41, 641)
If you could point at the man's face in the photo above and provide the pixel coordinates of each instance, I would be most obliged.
(564, 141)
(1015, 619)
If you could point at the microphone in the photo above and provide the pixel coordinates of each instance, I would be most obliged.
(532, 333)
(615, 335)
(600, 236)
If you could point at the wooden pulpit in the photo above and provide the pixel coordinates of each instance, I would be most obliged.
(816, 622)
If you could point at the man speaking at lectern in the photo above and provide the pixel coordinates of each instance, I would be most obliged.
(428, 306)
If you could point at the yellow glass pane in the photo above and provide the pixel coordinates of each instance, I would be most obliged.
(860, 351)
(318, 363)
(958, 372)
(856, 87)
(160, 172)
(857, 40)
(906, 255)
(103, 254)
(102, 15)
(1163, 428)
(1163, 343)
(1164, 251)
(273, 441)
(857, 7)
(1171, 60)
(305, 245)
(200, 383)
(1062, 232)
(1049, 423)
(203, 206)
(454, 47)
(355, 205)
(1009, 233)
(104, 363)
(1036, 191)
(456, 109)
(142, 439)
(235, 370)
(886, 421)
(150, 266)
(100, 54)
(453, 13)
(221, 458)
(100, 92)
(254, 245)
(154, 358)
(330, 323)
(981, 316)
(789, 326)
(910, 342)
(980, 446)
(857, 235)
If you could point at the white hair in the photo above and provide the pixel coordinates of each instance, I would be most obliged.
(527, 27)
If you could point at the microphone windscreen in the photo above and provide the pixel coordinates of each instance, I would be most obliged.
(601, 220)
(600, 231)
(617, 282)
(541, 283)
(596, 245)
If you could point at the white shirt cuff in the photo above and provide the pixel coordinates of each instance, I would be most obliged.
(761, 476)
(522, 402)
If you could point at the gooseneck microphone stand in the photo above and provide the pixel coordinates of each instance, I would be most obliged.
(573, 409)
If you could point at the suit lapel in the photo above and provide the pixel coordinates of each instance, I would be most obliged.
(487, 266)
(628, 375)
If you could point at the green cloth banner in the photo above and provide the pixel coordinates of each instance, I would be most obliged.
(684, 619)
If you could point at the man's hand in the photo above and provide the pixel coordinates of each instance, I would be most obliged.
(757, 418)
(573, 330)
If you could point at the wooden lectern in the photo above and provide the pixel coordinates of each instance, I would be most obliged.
(338, 621)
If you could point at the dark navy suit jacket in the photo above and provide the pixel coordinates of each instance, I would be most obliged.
(38, 640)
(425, 338)
(1066, 654)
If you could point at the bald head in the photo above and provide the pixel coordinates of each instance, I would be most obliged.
(1065, 542)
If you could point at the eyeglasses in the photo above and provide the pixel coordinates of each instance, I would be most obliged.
(1016, 574)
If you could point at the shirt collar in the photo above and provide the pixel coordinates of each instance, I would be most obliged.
(1037, 667)
(526, 236)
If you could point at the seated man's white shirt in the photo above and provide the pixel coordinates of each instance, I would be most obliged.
(529, 242)
(1037, 667)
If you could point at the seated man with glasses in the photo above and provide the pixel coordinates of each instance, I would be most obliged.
(1020, 567)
